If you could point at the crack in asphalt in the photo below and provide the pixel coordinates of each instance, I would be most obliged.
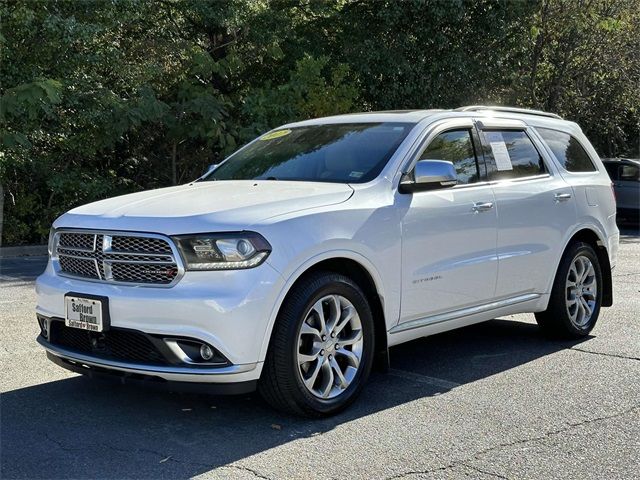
(163, 456)
(247, 469)
(614, 355)
(484, 472)
(479, 453)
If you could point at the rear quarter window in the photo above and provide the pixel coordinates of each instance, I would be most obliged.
(567, 150)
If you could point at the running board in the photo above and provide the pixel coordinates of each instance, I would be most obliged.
(465, 312)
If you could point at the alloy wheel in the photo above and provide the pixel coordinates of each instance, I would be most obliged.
(581, 291)
(330, 345)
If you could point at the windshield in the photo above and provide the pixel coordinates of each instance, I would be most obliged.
(342, 153)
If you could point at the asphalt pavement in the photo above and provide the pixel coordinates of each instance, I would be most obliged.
(495, 400)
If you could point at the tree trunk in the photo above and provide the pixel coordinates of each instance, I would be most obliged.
(1, 211)
(174, 174)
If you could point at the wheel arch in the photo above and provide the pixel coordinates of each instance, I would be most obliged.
(366, 278)
(593, 238)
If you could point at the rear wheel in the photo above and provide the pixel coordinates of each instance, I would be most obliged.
(320, 354)
(576, 296)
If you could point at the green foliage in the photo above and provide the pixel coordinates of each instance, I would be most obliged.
(103, 97)
(585, 64)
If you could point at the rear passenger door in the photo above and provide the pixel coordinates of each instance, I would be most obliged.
(535, 207)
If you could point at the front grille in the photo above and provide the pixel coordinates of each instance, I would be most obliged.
(140, 244)
(78, 266)
(115, 344)
(117, 257)
(84, 241)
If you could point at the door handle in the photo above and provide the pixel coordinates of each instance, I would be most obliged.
(482, 206)
(562, 197)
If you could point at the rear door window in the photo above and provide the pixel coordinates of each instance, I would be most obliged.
(514, 155)
(567, 150)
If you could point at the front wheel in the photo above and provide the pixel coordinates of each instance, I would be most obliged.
(576, 296)
(321, 349)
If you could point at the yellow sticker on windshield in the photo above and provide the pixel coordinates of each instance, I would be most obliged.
(276, 134)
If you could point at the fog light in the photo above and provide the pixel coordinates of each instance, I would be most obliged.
(206, 352)
(43, 327)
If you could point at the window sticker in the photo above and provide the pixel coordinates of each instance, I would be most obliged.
(500, 152)
(356, 174)
(274, 135)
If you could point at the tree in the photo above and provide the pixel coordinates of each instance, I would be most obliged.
(585, 64)
(104, 97)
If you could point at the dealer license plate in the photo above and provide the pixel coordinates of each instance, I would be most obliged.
(83, 313)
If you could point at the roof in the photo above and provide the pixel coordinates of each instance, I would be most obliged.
(620, 160)
(399, 116)
(415, 116)
(497, 108)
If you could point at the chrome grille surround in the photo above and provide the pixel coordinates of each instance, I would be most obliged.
(116, 257)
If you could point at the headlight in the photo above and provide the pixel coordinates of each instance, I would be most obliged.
(52, 234)
(223, 251)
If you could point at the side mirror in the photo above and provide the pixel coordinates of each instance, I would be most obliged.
(429, 175)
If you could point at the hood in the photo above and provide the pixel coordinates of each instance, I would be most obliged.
(204, 206)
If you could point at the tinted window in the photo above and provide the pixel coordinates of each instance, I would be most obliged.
(455, 146)
(567, 150)
(629, 173)
(344, 153)
(514, 154)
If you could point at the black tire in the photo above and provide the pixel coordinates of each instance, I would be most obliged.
(281, 384)
(555, 321)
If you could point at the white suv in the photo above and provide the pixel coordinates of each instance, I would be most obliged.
(299, 260)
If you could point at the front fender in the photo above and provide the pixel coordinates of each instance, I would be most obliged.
(390, 304)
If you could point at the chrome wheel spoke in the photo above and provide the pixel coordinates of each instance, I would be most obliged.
(311, 379)
(580, 268)
(345, 318)
(588, 272)
(339, 376)
(303, 358)
(355, 337)
(586, 307)
(309, 330)
(573, 275)
(327, 379)
(580, 314)
(335, 311)
(318, 309)
(351, 357)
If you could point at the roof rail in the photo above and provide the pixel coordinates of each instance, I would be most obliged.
(476, 108)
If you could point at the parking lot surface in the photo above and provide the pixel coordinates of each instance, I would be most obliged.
(495, 400)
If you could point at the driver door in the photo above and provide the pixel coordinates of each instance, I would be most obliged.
(449, 259)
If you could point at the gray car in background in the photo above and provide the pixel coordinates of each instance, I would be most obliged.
(625, 175)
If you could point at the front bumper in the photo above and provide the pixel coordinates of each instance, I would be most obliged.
(230, 311)
(233, 379)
